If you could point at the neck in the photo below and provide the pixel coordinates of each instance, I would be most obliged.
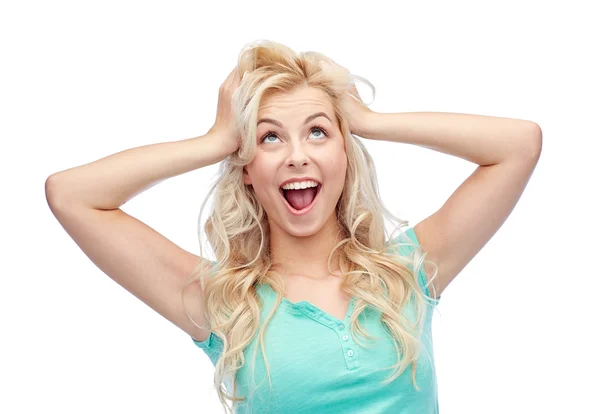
(306, 257)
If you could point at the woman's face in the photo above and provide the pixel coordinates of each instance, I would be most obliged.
(295, 149)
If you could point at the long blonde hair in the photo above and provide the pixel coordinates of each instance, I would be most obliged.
(238, 230)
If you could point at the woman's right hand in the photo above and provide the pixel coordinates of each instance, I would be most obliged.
(225, 124)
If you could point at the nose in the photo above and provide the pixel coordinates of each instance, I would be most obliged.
(297, 155)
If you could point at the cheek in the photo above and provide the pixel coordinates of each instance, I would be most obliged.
(335, 168)
(261, 173)
(339, 160)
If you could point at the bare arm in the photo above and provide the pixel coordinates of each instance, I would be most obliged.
(86, 201)
(108, 183)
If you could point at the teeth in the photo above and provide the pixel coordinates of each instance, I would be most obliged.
(299, 185)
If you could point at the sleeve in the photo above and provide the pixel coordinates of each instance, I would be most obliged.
(421, 276)
(212, 346)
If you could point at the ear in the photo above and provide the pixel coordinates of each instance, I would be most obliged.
(246, 176)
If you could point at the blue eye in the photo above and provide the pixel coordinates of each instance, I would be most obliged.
(319, 129)
(272, 134)
(269, 135)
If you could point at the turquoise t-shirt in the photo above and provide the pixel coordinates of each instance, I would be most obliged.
(316, 366)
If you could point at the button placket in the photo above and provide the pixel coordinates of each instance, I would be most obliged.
(349, 352)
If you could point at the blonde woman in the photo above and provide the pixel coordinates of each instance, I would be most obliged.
(310, 306)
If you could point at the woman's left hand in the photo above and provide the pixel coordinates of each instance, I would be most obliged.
(357, 111)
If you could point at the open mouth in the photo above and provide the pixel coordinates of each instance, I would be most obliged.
(305, 209)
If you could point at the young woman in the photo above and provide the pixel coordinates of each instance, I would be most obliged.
(305, 271)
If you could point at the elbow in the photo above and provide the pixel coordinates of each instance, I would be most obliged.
(52, 190)
(533, 145)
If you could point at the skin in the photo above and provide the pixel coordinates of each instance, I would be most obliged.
(303, 242)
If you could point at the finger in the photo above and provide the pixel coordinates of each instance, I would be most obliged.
(234, 72)
(233, 76)
(239, 75)
(340, 66)
(353, 90)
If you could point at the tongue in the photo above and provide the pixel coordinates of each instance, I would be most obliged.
(299, 199)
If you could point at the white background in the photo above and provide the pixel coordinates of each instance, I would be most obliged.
(82, 80)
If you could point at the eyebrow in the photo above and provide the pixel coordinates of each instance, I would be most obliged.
(306, 121)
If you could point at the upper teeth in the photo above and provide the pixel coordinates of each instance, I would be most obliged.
(299, 185)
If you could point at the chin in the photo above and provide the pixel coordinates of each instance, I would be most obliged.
(298, 229)
(302, 230)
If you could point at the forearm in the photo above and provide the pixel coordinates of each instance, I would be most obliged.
(111, 181)
(484, 140)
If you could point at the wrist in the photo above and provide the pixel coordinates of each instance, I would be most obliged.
(365, 123)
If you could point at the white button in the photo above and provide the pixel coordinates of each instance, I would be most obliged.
(350, 352)
(345, 337)
(341, 327)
